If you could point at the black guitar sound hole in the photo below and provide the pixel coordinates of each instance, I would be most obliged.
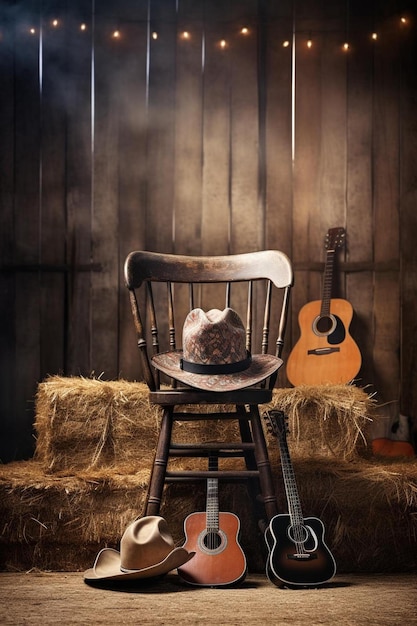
(212, 541)
(324, 324)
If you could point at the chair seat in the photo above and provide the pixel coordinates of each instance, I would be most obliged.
(186, 395)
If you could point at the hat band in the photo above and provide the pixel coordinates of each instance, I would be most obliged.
(216, 368)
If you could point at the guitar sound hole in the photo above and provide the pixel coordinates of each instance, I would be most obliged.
(212, 541)
(298, 533)
(324, 325)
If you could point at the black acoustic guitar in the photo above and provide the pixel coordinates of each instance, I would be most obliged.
(297, 553)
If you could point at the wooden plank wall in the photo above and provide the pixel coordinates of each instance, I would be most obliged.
(140, 129)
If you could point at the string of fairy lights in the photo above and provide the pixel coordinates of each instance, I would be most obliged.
(308, 40)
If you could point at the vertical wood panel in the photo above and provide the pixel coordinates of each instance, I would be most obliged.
(247, 228)
(278, 126)
(53, 205)
(105, 245)
(215, 221)
(188, 130)
(132, 173)
(386, 210)
(359, 285)
(79, 188)
(8, 414)
(27, 223)
(161, 137)
(306, 160)
(408, 204)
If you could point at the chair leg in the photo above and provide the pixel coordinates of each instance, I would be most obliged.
(264, 466)
(157, 480)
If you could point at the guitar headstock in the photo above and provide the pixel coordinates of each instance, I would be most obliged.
(276, 423)
(335, 238)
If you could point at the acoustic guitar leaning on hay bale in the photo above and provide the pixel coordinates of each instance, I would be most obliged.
(298, 555)
(219, 559)
(325, 351)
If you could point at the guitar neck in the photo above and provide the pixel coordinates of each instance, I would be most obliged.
(327, 283)
(293, 499)
(212, 504)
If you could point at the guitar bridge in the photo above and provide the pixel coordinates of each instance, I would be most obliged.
(304, 556)
(319, 351)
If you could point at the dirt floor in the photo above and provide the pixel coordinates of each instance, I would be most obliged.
(348, 600)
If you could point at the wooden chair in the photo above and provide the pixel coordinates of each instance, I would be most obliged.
(163, 289)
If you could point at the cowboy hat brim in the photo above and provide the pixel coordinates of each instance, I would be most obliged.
(262, 366)
(108, 566)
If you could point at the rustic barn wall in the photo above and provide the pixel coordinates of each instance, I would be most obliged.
(129, 125)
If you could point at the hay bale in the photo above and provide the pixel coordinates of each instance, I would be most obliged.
(326, 420)
(89, 423)
(369, 510)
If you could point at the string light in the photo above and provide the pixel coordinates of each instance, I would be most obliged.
(244, 30)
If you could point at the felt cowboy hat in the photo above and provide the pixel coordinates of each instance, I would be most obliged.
(214, 355)
(146, 551)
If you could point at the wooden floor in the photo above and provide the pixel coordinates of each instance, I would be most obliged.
(354, 600)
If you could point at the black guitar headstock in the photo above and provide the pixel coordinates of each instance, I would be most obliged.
(276, 422)
(335, 238)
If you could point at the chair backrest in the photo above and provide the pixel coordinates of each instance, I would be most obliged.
(165, 287)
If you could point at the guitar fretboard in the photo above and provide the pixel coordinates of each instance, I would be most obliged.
(294, 504)
(212, 504)
(327, 283)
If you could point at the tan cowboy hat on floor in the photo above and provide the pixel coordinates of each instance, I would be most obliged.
(214, 355)
(146, 550)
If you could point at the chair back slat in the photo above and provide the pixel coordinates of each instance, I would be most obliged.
(249, 317)
(191, 292)
(171, 317)
(267, 318)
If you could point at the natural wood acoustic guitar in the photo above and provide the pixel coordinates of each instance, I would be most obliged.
(214, 537)
(297, 553)
(325, 352)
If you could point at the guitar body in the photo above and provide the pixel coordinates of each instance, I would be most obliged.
(325, 352)
(219, 560)
(313, 567)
